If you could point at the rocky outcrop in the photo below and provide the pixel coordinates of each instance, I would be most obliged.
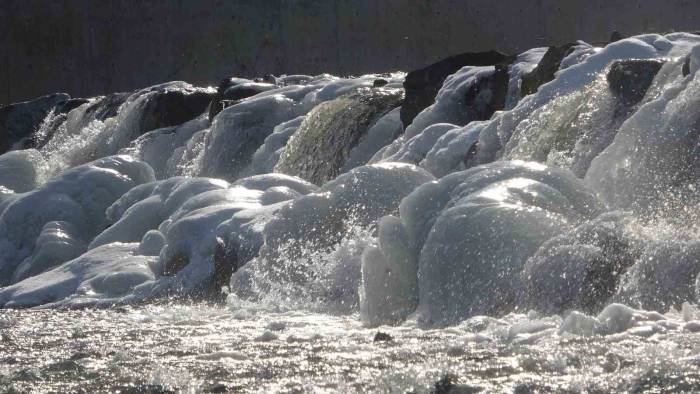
(321, 146)
(172, 107)
(544, 72)
(423, 85)
(232, 90)
(630, 79)
(18, 121)
(488, 94)
(106, 106)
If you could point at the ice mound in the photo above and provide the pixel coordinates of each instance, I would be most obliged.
(553, 123)
(22, 170)
(162, 148)
(268, 154)
(59, 241)
(163, 236)
(104, 275)
(312, 245)
(581, 269)
(653, 161)
(665, 274)
(215, 232)
(80, 197)
(466, 238)
(472, 93)
(240, 130)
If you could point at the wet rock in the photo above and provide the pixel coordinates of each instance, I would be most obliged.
(232, 90)
(106, 107)
(630, 79)
(172, 107)
(59, 115)
(379, 83)
(423, 85)
(448, 385)
(20, 120)
(217, 388)
(69, 105)
(685, 70)
(323, 142)
(487, 95)
(382, 337)
(544, 72)
(615, 36)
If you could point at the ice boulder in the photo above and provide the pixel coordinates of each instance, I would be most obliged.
(465, 239)
(313, 245)
(22, 170)
(213, 233)
(80, 196)
(104, 275)
(581, 269)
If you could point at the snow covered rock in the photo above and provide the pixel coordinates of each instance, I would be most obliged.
(104, 275)
(80, 196)
(423, 85)
(20, 120)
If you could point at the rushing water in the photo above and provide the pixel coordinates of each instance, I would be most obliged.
(206, 349)
(498, 242)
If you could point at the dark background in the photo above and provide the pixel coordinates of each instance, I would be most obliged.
(88, 47)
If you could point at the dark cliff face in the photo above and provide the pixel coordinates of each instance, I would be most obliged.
(86, 48)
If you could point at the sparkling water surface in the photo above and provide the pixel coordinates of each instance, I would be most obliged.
(199, 348)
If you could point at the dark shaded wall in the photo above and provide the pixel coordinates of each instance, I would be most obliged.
(87, 47)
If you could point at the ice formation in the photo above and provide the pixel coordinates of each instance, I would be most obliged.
(562, 180)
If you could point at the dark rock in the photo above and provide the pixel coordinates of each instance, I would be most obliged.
(172, 107)
(232, 90)
(20, 120)
(69, 105)
(630, 79)
(423, 85)
(58, 116)
(615, 36)
(487, 95)
(379, 82)
(225, 264)
(448, 385)
(382, 337)
(217, 388)
(544, 72)
(106, 107)
(685, 70)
